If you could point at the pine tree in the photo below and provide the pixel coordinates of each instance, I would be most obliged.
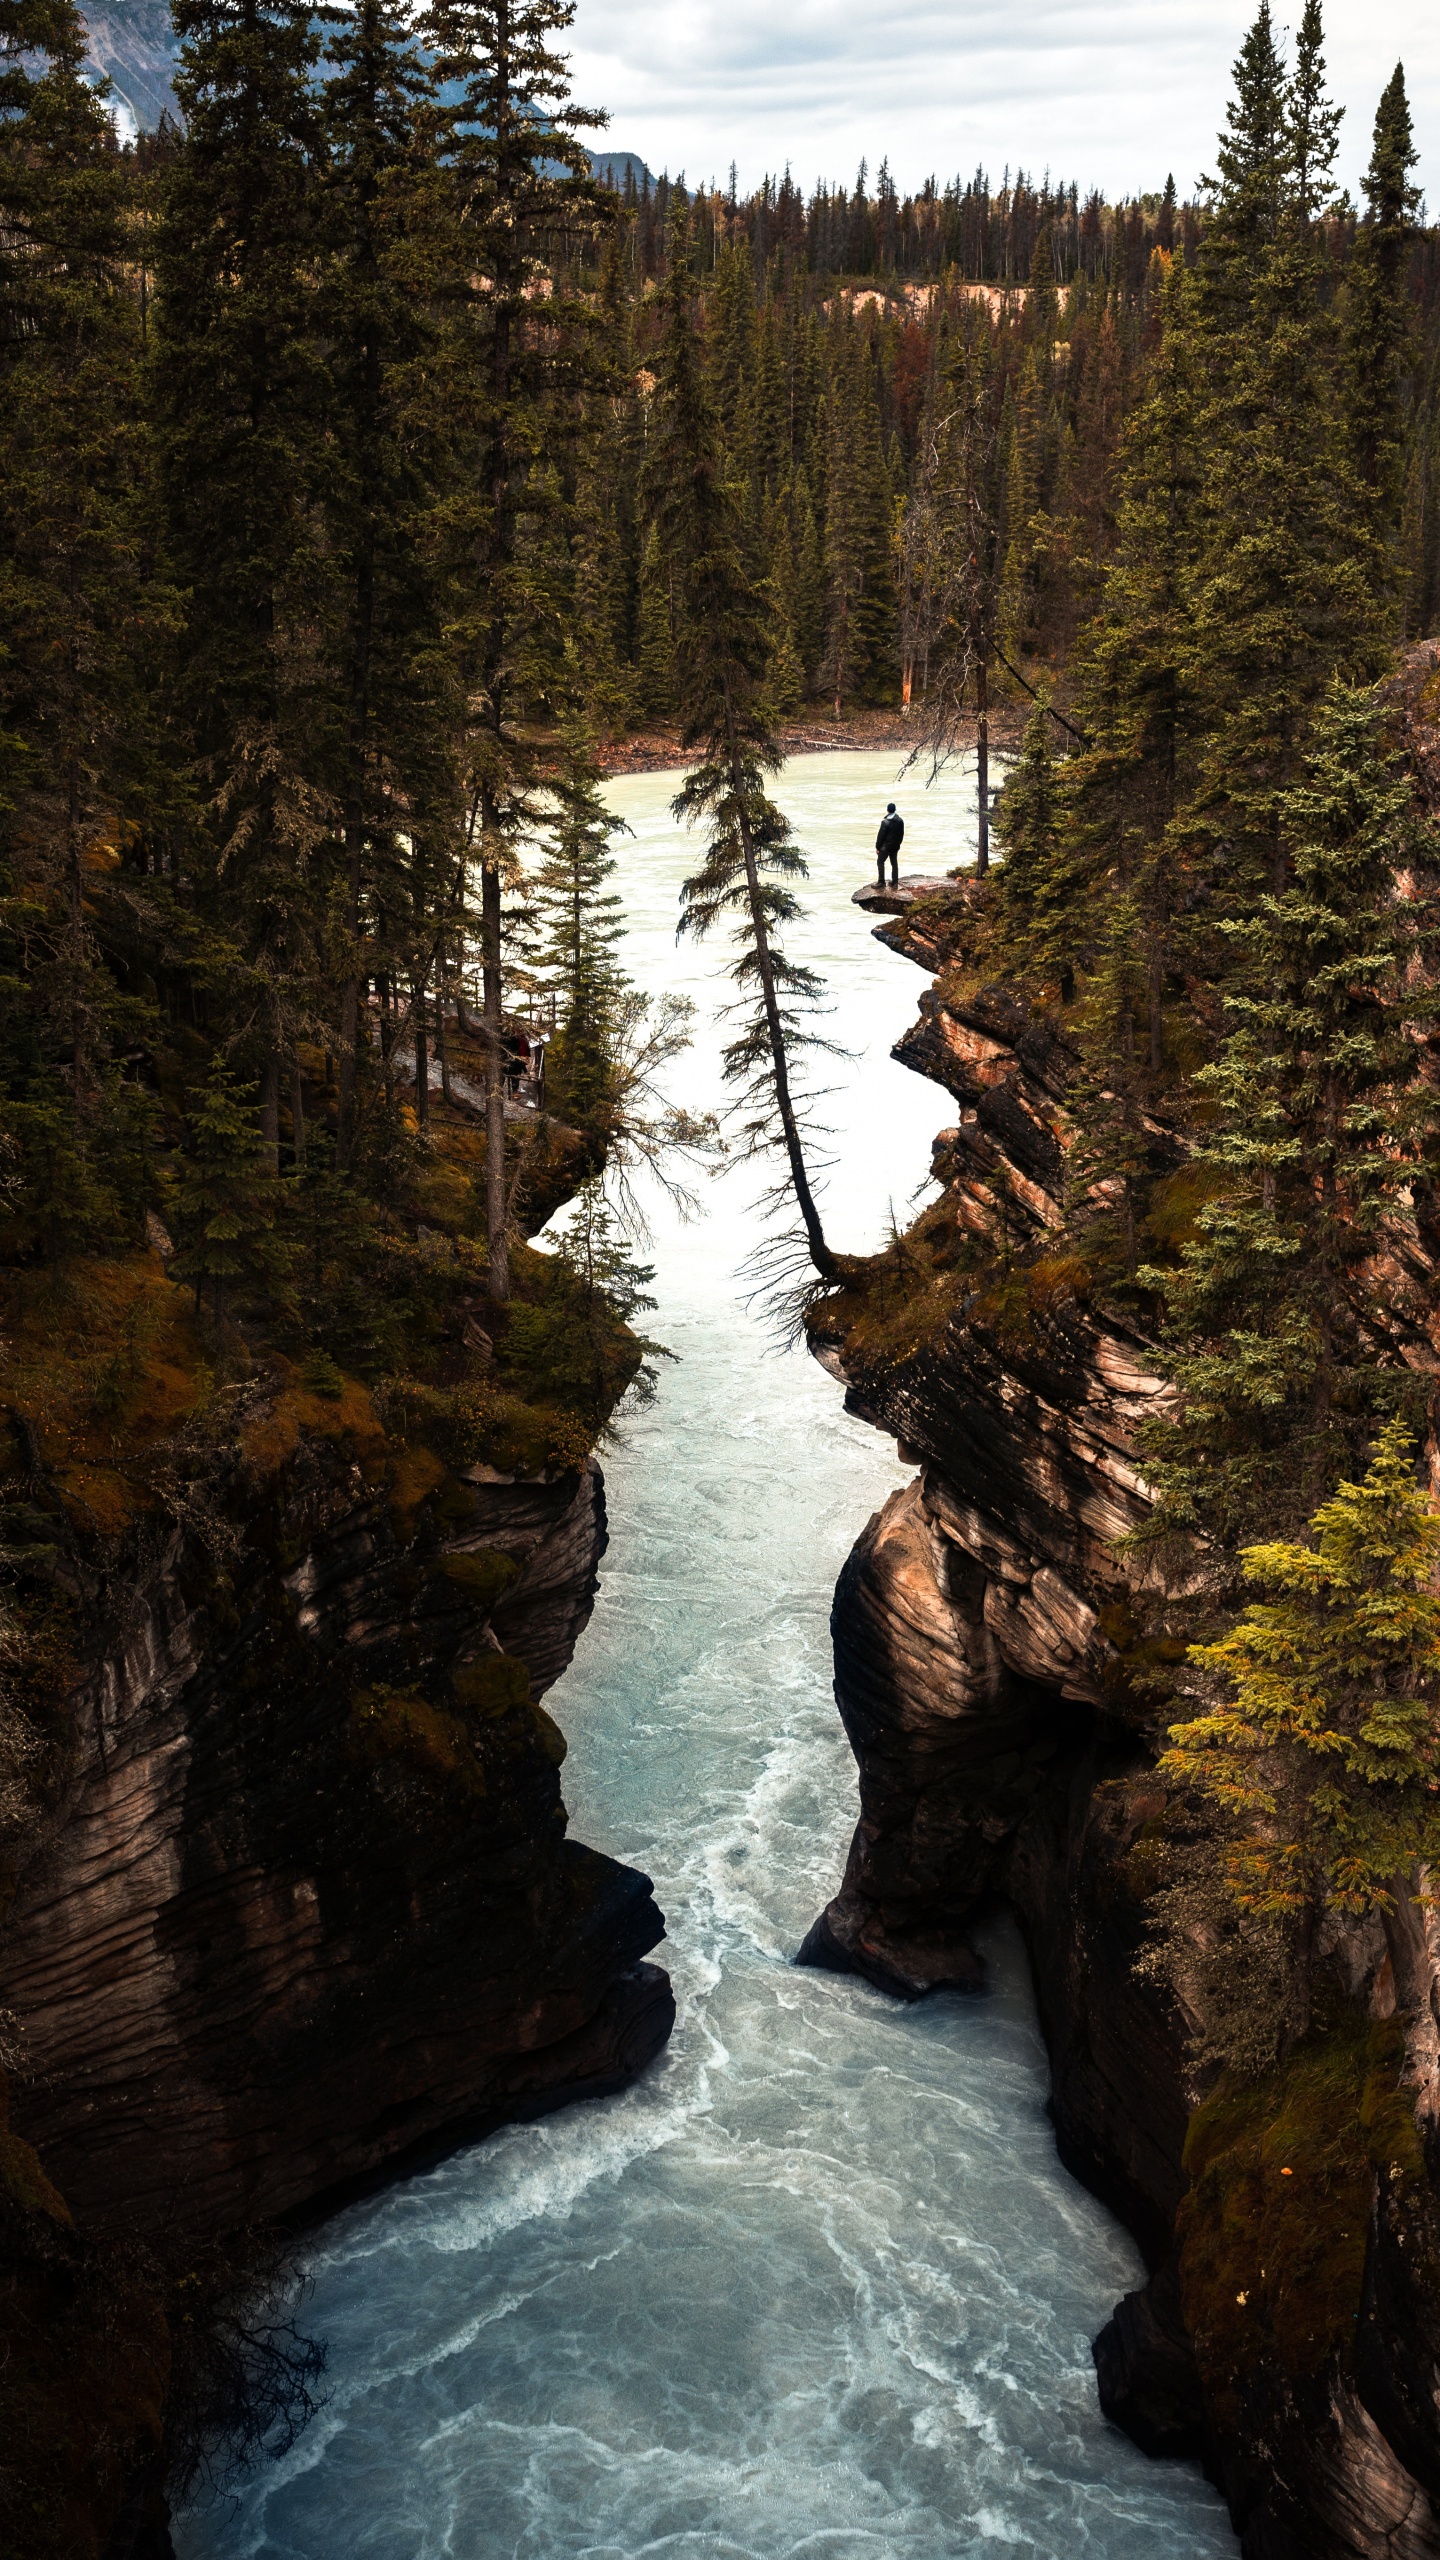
(1139, 698)
(521, 179)
(731, 352)
(657, 641)
(1035, 883)
(224, 1206)
(1278, 1335)
(1113, 1158)
(1321, 1770)
(385, 480)
(84, 613)
(722, 648)
(242, 403)
(579, 926)
(772, 435)
(607, 535)
(784, 667)
(1283, 594)
(861, 635)
(1250, 191)
(573, 1346)
(963, 568)
(1378, 327)
(809, 588)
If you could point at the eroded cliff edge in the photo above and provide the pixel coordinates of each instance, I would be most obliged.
(304, 1905)
(986, 1631)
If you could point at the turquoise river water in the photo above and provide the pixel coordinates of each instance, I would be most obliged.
(818, 2285)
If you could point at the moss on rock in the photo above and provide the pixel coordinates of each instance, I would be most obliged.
(399, 1725)
(1273, 2231)
(484, 1575)
(492, 1684)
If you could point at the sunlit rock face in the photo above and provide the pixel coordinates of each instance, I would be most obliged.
(980, 1629)
(311, 1904)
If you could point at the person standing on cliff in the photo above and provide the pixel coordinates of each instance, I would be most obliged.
(887, 846)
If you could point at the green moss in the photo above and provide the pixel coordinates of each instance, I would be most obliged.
(415, 1475)
(552, 1740)
(1272, 2234)
(398, 1725)
(483, 1576)
(492, 1684)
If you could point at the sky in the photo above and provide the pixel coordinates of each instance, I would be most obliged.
(1112, 93)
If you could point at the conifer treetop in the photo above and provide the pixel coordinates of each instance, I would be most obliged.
(1325, 1760)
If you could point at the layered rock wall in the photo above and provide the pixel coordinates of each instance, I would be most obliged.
(312, 1903)
(984, 1631)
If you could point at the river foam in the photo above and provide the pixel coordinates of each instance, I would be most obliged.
(817, 2285)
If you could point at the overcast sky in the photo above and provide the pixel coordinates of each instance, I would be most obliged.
(1112, 93)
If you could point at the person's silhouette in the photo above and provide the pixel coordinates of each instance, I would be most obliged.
(887, 845)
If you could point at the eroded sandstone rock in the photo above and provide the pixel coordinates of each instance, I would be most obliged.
(311, 1903)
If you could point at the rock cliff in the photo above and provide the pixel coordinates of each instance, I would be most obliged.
(986, 1634)
(305, 1906)
(312, 1902)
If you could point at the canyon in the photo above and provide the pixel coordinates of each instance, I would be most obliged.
(818, 2273)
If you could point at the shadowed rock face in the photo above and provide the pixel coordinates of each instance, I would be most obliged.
(976, 1628)
(307, 1908)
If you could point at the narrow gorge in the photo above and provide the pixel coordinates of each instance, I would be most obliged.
(824, 2264)
(818, 2276)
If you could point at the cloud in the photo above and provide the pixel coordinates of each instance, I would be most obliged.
(1113, 94)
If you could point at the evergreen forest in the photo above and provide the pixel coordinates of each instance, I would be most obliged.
(373, 479)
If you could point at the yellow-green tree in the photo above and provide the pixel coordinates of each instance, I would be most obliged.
(1320, 1762)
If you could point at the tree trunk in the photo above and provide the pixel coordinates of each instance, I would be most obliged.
(982, 765)
(422, 1055)
(442, 1045)
(496, 1206)
(350, 996)
(820, 1253)
(270, 1109)
(297, 1116)
(387, 1037)
(80, 1066)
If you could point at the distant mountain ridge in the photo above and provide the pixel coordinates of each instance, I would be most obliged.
(132, 42)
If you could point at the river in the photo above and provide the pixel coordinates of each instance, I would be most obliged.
(818, 2284)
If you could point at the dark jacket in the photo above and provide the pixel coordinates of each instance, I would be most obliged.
(891, 836)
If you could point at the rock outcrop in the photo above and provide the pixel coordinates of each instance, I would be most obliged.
(311, 1903)
(302, 1908)
(985, 1633)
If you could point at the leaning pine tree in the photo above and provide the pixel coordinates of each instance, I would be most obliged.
(722, 644)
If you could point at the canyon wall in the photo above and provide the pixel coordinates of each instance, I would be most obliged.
(987, 1638)
(307, 1909)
